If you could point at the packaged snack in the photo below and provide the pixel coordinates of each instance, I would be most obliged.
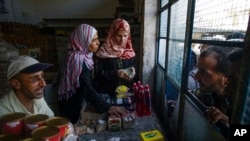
(128, 120)
(114, 123)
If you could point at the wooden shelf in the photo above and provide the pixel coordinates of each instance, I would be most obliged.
(59, 22)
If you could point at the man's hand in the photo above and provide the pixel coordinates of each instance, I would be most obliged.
(214, 115)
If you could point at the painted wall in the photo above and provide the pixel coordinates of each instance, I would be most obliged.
(149, 45)
(33, 11)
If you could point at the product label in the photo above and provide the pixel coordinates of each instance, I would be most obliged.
(31, 126)
(114, 123)
(150, 135)
(119, 101)
(13, 124)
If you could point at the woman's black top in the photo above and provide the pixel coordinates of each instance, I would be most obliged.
(106, 76)
(71, 107)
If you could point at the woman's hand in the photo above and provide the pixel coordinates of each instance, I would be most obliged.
(132, 72)
(122, 74)
(117, 111)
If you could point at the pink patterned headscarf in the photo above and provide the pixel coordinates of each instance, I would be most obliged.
(78, 54)
(109, 49)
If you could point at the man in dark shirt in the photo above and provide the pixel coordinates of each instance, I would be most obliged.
(212, 75)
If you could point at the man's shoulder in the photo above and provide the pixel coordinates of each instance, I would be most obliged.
(5, 104)
(4, 98)
(9, 99)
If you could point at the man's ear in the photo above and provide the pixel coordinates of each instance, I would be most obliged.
(225, 81)
(15, 83)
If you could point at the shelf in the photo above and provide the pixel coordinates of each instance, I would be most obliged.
(61, 22)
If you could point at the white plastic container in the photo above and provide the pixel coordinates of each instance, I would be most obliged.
(7, 51)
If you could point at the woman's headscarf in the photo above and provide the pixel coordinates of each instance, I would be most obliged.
(78, 54)
(109, 49)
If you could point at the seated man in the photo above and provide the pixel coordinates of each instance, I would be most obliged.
(26, 78)
(212, 75)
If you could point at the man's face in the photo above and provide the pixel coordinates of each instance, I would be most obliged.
(209, 80)
(32, 85)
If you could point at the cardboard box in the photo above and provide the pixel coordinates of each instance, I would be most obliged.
(153, 135)
(128, 120)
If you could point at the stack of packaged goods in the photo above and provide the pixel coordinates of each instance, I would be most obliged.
(125, 99)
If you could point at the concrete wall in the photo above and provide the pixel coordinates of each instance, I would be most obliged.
(33, 11)
(149, 39)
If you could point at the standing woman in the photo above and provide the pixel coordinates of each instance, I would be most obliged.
(114, 56)
(76, 82)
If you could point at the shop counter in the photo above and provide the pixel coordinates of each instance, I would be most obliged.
(141, 125)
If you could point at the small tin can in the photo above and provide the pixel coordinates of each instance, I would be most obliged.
(29, 139)
(12, 124)
(61, 123)
(46, 133)
(34, 121)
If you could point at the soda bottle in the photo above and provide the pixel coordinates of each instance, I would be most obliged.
(141, 101)
(147, 94)
(138, 84)
(136, 101)
(135, 91)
